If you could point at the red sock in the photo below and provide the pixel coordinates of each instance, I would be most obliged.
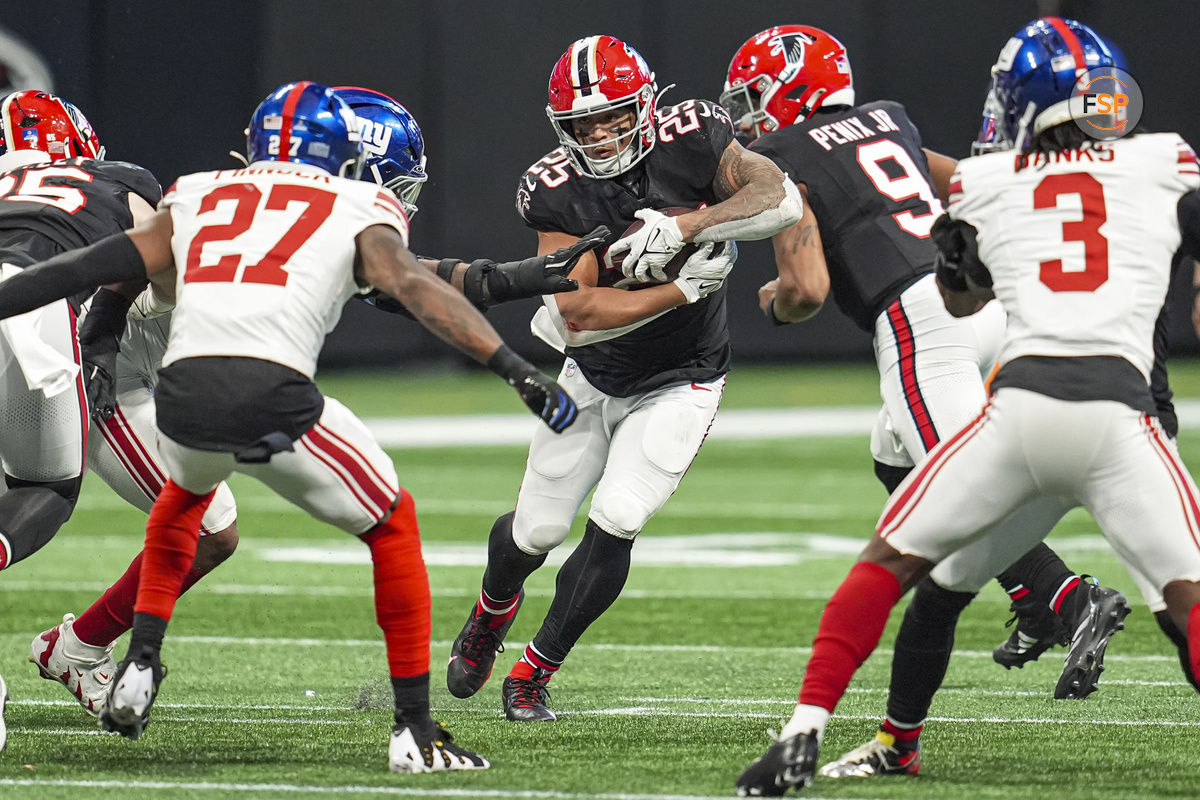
(112, 613)
(171, 535)
(903, 736)
(849, 630)
(528, 662)
(402, 604)
(1193, 637)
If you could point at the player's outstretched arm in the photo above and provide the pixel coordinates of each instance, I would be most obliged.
(803, 283)
(384, 262)
(941, 170)
(142, 251)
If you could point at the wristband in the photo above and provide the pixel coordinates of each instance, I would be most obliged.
(508, 365)
(445, 268)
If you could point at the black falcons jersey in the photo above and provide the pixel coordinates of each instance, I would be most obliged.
(48, 208)
(688, 343)
(868, 183)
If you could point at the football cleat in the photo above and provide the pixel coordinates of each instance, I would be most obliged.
(3, 711)
(85, 669)
(787, 763)
(525, 699)
(879, 756)
(474, 651)
(131, 694)
(428, 747)
(1037, 630)
(1102, 617)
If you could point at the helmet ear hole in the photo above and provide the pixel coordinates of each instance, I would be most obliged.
(797, 93)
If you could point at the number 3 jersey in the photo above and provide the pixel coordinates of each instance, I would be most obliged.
(51, 207)
(868, 184)
(1079, 242)
(265, 259)
(688, 343)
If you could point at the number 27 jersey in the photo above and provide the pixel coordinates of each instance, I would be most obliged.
(265, 259)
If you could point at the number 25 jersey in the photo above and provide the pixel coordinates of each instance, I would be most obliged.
(265, 259)
(1079, 242)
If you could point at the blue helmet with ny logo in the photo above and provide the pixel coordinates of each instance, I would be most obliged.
(1034, 79)
(393, 142)
(306, 123)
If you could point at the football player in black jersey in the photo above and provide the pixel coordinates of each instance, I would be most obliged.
(870, 188)
(55, 194)
(647, 367)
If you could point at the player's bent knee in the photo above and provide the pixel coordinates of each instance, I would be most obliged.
(535, 538)
(624, 524)
(215, 548)
(67, 489)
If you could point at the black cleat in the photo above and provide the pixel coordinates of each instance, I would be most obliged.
(474, 651)
(131, 694)
(525, 700)
(1103, 616)
(787, 763)
(1037, 630)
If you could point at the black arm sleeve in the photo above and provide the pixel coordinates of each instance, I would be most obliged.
(105, 319)
(1189, 223)
(110, 260)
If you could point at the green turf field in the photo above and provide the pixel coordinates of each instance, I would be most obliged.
(277, 675)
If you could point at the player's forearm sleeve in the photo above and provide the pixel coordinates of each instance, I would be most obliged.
(1189, 224)
(762, 225)
(110, 260)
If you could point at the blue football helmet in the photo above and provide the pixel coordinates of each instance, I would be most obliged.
(393, 141)
(320, 129)
(1034, 78)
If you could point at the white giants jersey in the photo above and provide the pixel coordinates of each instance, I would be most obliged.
(265, 259)
(1079, 243)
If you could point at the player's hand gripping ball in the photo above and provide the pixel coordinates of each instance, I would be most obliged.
(651, 250)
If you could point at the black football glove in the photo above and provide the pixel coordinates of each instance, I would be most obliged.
(532, 277)
(543, 396)
(99, 340)
(957, 261)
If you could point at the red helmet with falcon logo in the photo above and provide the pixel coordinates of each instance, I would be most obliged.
(601, 74)
(785, 74)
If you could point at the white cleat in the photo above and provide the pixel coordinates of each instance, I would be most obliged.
(429, 748)
(127, 709)
(85, 669)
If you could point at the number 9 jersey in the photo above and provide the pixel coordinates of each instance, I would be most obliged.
(265, 259)
(868, 184)
(1079, 242)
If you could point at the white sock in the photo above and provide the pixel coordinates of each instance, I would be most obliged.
(806, 719)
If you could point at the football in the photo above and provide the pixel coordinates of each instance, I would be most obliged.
(673, 266)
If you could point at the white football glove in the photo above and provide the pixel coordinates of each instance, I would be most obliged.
(705, 271)
(648, 250)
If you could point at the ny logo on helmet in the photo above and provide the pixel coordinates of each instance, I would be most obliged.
(376, 136)
(791, 47)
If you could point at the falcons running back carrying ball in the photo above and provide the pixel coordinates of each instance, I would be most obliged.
(1075, 237)
(266, 256)
(647, 366)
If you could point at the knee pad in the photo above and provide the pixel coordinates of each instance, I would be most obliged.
(891, 477)
(624, 517)
(531, 537)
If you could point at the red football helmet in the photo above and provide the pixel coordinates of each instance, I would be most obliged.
(785, 74)
(36, 120)
(598, 74)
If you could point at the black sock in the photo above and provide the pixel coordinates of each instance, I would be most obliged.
(1040, 571)
(588, 583)
(508, 565)
(145, 642)
(922, 650)
(412, 699)
(891, 477)
(1172, 632)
